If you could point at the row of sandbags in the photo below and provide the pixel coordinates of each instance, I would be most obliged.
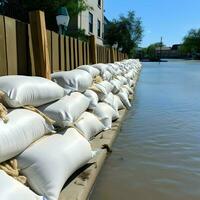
(50, 123)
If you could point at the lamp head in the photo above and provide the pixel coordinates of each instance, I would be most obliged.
(62, 17)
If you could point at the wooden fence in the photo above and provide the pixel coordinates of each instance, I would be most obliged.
(66, 53)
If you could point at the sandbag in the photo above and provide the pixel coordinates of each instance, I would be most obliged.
(106, 114)
(93, 97)
(103, 89)
(101, 67)
(117, 84)
(111, 100)
(131, 83)
(127, 88)
(26, 90)
(76, 80)
(114, 101)
(125, 99)
(119, 102)
(23, 128)
(112, 68)
(106, 76)
(89, 125)
(65, 111)
(91, 70)
(122, 79)
(49, 162)
(11, 189)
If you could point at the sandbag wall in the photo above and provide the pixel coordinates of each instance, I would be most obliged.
(46, 126)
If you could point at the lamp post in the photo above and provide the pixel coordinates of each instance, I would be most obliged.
(62, 19)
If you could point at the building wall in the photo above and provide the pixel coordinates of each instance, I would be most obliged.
(98, 14)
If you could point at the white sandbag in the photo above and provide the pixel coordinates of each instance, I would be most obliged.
(65, 111)
(106, 114)
(112, 68)
(89, 125)
(125, 99)
(103, 89)
(73, 81)
(127, 88)
(101, 67)
(91, 70)
(130, 74)
(49, 162)
(106, 76)
(26, 90)
(122, 79)
(119, 103)
(117, 84)
(93, 97)
(114, 101)
(11, 189)
(111, 100)
(131, 83)
(23, 128)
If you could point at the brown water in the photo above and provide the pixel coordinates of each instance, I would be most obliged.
(157, 154)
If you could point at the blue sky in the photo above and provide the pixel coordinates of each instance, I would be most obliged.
(171, 19)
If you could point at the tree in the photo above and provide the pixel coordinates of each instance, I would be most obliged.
(126, 32)
(151, 50)
(50, 8)
(191, 43)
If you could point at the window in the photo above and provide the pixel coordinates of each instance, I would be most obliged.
(99, 28)
(90, 22)
(99, 3)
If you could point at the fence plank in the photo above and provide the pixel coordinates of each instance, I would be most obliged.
(40, 45)
(84, 52)
(55, 52)
(71, 50)
(93, 50)
(87, 53)
(22, 48)
(3, 60)
(11, 45)
(67, 54)
(80, 52)
(61, 53)
(49, 41)
(75, 53)
(32, 63)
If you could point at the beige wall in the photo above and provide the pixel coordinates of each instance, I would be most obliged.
(98, 14)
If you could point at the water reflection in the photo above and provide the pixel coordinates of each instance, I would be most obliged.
(157, 155)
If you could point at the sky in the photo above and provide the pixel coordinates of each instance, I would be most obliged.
(170, 19)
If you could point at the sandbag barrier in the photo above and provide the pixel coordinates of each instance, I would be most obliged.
(83, 103)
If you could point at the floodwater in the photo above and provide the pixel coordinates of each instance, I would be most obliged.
(157, 154)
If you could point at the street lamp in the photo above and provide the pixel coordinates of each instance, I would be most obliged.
(62, 19)
(115, 45)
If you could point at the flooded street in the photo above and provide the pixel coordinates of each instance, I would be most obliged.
(157, 154)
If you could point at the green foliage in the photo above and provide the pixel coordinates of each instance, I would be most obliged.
(80, 34)
(50, 8)
(191, 43)
(127, 32)
(150, 52)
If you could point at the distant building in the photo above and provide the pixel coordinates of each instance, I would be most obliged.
(169, 52)
(164, 51)
(92, 21)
